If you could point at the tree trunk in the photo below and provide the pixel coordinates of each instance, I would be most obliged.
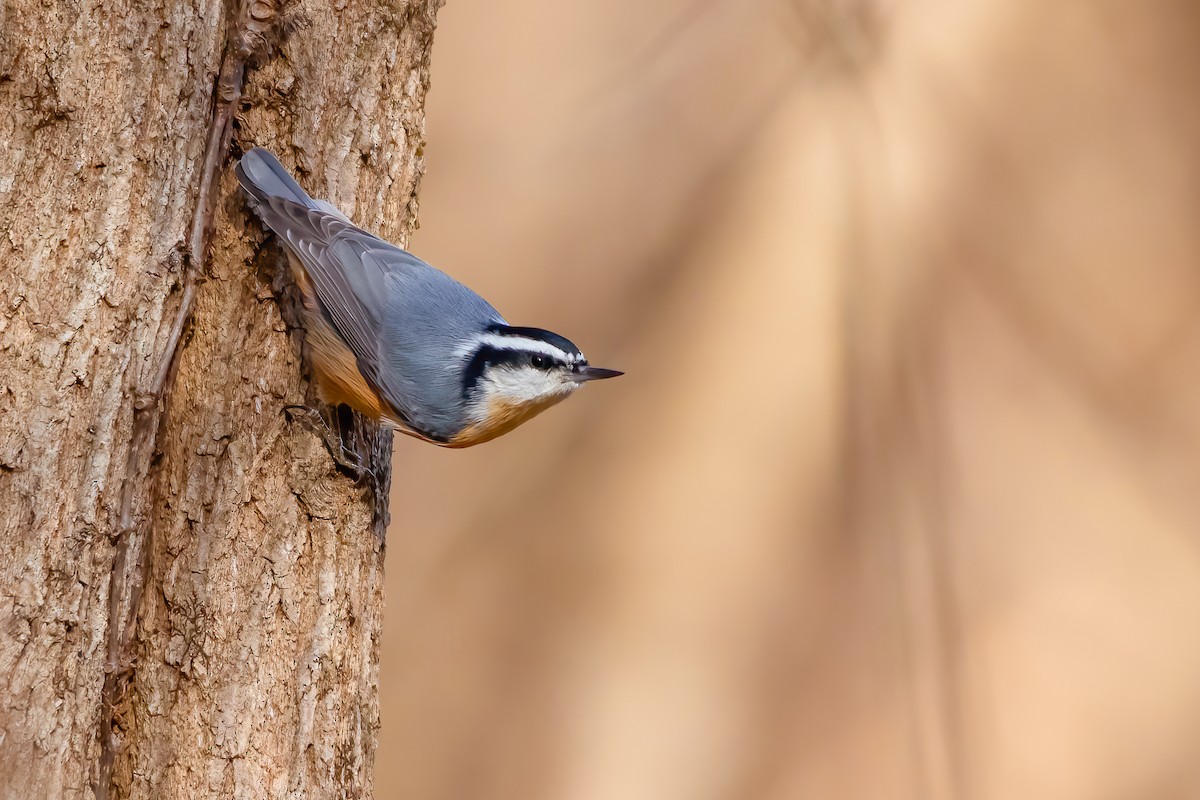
(190, 589)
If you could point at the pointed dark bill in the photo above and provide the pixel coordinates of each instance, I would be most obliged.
(594, 374)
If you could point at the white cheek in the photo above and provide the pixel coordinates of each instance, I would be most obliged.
(527, 386)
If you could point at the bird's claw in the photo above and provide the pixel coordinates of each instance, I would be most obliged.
(346, 460)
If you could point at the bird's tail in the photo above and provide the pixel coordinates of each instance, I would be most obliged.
(262, 176)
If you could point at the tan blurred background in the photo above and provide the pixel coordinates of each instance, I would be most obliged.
(899, 496)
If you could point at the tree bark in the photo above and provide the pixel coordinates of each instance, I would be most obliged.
(190, 588)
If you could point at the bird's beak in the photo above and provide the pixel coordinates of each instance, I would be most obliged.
(584, 374)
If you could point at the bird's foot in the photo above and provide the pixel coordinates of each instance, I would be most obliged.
(346, 459)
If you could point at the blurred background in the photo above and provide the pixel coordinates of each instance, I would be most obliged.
(898, 498)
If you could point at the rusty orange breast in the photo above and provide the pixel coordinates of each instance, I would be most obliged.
(501, 418)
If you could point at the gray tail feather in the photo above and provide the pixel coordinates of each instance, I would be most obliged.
(262, 176)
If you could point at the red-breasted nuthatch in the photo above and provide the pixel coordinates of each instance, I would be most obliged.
(400, 341)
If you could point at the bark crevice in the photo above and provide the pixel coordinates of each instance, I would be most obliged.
(175, 547)
(248, 38)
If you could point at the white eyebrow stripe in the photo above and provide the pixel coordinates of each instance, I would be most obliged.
(523, 345)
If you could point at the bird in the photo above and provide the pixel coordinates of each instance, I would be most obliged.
(398, 340)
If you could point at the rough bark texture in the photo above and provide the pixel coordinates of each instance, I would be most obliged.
(190, 590)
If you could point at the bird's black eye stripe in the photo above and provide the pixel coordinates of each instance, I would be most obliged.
(483, 358)
(488, 356)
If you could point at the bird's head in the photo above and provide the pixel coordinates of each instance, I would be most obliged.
(511, 375)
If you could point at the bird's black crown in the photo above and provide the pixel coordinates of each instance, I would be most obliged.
(549, 337)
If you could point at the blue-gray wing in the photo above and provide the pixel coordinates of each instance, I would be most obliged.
(404, 320)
